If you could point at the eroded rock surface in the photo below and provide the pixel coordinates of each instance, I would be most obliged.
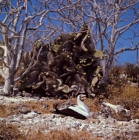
(98, 124)
(116, 111)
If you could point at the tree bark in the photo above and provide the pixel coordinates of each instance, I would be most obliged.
(9, 82)
(105, 70)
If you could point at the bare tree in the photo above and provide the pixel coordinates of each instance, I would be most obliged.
(22, 20)
(114, 20)
(110, 21)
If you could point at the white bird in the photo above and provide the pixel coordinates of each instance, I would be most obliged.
(79, 111)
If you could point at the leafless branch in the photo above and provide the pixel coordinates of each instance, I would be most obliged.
(127, 49)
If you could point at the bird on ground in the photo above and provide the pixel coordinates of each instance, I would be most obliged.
(79, 111)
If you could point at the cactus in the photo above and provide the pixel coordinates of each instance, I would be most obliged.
(56, 48)
(1, 52)
(94, 81)
(37, 45)
(99, 54)
(36, 86)
(63, 88)
(70, 61)
(84, 81)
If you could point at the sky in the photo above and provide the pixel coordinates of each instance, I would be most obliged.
(128, 56)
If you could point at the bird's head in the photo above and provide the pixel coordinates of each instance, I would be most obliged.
(82, 97)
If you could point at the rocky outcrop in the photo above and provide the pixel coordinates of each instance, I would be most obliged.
(116, 111)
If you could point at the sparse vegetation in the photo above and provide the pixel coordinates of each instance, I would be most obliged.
(10, 132)
(62, 135)
(132, 72)
(129, 98)
(64, 59)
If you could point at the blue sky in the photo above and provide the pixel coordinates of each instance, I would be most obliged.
(128, 56)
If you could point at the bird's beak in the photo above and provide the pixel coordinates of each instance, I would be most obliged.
(83, 97)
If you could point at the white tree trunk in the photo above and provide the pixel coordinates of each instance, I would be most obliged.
(105, 72)
(9, 81)
(8, 86)
(8, 71)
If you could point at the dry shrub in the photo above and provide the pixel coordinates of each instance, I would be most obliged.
(1, 80)
(9, 132)
(132, 71)
(42, 107)
(130, 93)
(7, 110)
(66, 135)
(116, 84)
(129, 98)
(3, 110)
(47, 105)
(94, 105)
(14, 108)
(62, 135)
(52, 135)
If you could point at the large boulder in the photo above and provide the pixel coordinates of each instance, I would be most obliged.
(116, 111)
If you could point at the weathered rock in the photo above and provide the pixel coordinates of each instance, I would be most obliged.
(116, 111)
(134, 84)
(24, 110)
(46, 106)
(26, 94)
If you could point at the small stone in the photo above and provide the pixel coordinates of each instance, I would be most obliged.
(19, 94)
(24, 110)
(15, 91)
(36, 111)
(45, 106)
(36, 97)
(30, 115)
(93, 95)
(2, 93)
(26, 94)
(136, 121)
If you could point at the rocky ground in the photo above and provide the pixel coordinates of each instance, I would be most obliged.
(97, 124)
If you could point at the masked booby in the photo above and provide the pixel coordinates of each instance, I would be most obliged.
(79, 111)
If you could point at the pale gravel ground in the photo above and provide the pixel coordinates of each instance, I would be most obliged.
(107, 128)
